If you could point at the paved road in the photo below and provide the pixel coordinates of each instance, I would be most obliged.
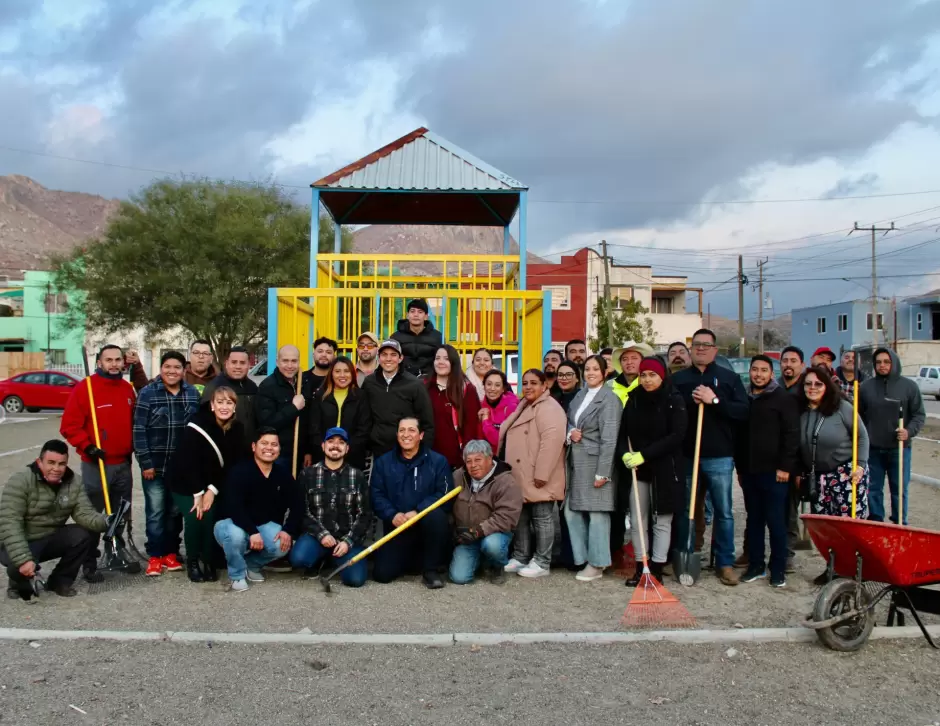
(158, 683)
(932, 405)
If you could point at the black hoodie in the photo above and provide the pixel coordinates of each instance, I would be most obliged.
(419, 349)
(882, 399)
(195, 464)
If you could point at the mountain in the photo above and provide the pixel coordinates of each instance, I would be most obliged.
(727, 329)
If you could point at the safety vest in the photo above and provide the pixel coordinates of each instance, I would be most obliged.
(622, 391)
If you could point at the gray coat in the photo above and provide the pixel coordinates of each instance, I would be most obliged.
(594, 455)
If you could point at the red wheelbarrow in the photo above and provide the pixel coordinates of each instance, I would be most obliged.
(897, 561)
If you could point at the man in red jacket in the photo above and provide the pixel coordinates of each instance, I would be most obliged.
(114, 408)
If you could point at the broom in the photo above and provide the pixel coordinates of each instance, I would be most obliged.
(652, 605)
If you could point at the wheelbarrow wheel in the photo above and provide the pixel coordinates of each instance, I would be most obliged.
(835, 599)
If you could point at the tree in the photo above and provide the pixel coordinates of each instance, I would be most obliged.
(630, 322)
(198, 255)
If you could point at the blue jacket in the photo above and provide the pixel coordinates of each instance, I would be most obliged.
(159, 420)
(408, 485)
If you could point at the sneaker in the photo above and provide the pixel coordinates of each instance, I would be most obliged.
(432, 581)
(239, 585)
(172, 564)
(778, 581)
(727, 576)
(588, 574)
(513, 566)
(255, 576)
(281, 564)
(534, 569)
(154, 567)
(753, 574)
(743, 561)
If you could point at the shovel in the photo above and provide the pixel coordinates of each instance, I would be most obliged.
(687, 563)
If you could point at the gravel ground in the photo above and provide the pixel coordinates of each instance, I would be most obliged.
(286, 603)
(155, 683)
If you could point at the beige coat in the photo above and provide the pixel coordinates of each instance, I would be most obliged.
(534, 436)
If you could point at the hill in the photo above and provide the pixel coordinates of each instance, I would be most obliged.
(727, 331)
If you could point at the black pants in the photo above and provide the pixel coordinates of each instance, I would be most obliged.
(69, 544)
(618, 527)
(424, 547)
(120, 486)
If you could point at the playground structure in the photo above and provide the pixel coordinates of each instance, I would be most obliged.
(475, 300)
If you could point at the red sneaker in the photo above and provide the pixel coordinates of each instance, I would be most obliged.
(172, 564)
(154, 567)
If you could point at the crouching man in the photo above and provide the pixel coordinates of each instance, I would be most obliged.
(35, 506)
(259, 494)
(486, 513)
(337, 515)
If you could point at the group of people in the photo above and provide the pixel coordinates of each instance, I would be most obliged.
(297, 472)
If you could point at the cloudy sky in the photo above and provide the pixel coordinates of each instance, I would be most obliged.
(681, 131)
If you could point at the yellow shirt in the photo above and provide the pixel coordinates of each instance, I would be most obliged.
(339, 394)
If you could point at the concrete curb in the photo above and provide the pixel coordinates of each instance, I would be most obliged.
(745, 635)
(928, 480)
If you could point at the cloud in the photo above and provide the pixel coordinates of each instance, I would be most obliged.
(846, 187)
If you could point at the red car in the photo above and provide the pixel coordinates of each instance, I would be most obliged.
(36, 390)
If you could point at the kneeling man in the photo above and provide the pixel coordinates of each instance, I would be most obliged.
(35, 506)
(486, 513)
(258, 495)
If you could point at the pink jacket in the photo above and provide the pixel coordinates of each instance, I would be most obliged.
(498, 413)
(534, 435)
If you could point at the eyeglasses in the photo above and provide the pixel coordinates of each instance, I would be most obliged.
(565, 376)
(368, 346)
(813, 384)
(201, 353)
(704, 346)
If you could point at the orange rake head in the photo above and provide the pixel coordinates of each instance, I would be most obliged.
(652, 606)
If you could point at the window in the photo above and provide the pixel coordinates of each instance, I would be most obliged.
(57, 379)
(561, 296)
(57, 303)
(56, 356)
(620, 296)
(933, 373)
(881, 321)
(923, 373)
(821, 326)
(920, 321)
(662, 305)
(843, 322)
(39, 378)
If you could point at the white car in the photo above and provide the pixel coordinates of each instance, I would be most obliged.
(928, 381)
(259, 371)
(512, 373)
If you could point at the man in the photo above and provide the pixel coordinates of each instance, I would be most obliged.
(846, 375)
(235, 376)
(550, 362)
(337, 516)
(627, 366)
(404, 482)
(367, 360)
(823, 356)
(721, 393)
(791, 370)
(606, 354)
(200, 370)
(35, 506)
(164, 407)
(278, 406)
(767, 454)
(486, 513)
(114, 409)
(324, 351)
(418, 339)
(258, 495)
(395, 394)
(678, 357)
(576, 352)
(883, 401)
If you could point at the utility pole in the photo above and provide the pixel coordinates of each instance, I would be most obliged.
(760, 304)
(742, 281)
(608, 305)
(48, 322)
(709, 323)
(874, 277)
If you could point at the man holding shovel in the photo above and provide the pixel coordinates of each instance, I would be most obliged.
(113, 400)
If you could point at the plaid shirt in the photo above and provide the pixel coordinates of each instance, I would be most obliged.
(337, 503)
(159, 419)
(844, 385)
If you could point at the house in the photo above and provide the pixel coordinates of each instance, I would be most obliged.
(32, 320)
(577, 286)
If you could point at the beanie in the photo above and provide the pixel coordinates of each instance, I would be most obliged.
(653, 364)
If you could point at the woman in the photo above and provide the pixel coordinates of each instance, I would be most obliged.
(593, 421)
(652, 430)
(209, 446)
(496, 406)
(455, 404)
(481, 364)
(532, 442)
(567, 383)
(340, 402)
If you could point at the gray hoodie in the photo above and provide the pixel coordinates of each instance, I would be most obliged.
(834, 441)
(881, 414)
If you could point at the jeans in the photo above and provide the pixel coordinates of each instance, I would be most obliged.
(197, 533)
(120, 486)
(164, 521)
(590, 537)
(424, 547)
(768, 504)
(69, 544)
(538, 515)
(238, 556)
(715, 474)
(657, 550)
(494, 550)
(307, 552)
(881, 462)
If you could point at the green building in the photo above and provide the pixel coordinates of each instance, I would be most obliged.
(32, 320)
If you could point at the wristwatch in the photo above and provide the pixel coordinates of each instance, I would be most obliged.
(714, 400)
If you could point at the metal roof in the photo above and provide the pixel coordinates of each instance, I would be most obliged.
(420, 161)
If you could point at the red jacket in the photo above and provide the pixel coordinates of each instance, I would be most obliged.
(114, 408)
(446, 441)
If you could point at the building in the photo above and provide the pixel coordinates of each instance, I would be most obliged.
(577, 286)
(32, 320)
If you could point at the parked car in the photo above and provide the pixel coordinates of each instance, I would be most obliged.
(742, 366)
(259, 371)
(928, 381)
(512, 373)
(36, 390)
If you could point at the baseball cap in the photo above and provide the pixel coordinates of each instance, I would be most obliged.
(336, 431)
(393, 344)
(370, 335)
(824, 350)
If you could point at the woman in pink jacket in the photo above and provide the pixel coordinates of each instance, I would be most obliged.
(498, 402)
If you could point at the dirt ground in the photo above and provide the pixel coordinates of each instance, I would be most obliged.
(286, 603)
